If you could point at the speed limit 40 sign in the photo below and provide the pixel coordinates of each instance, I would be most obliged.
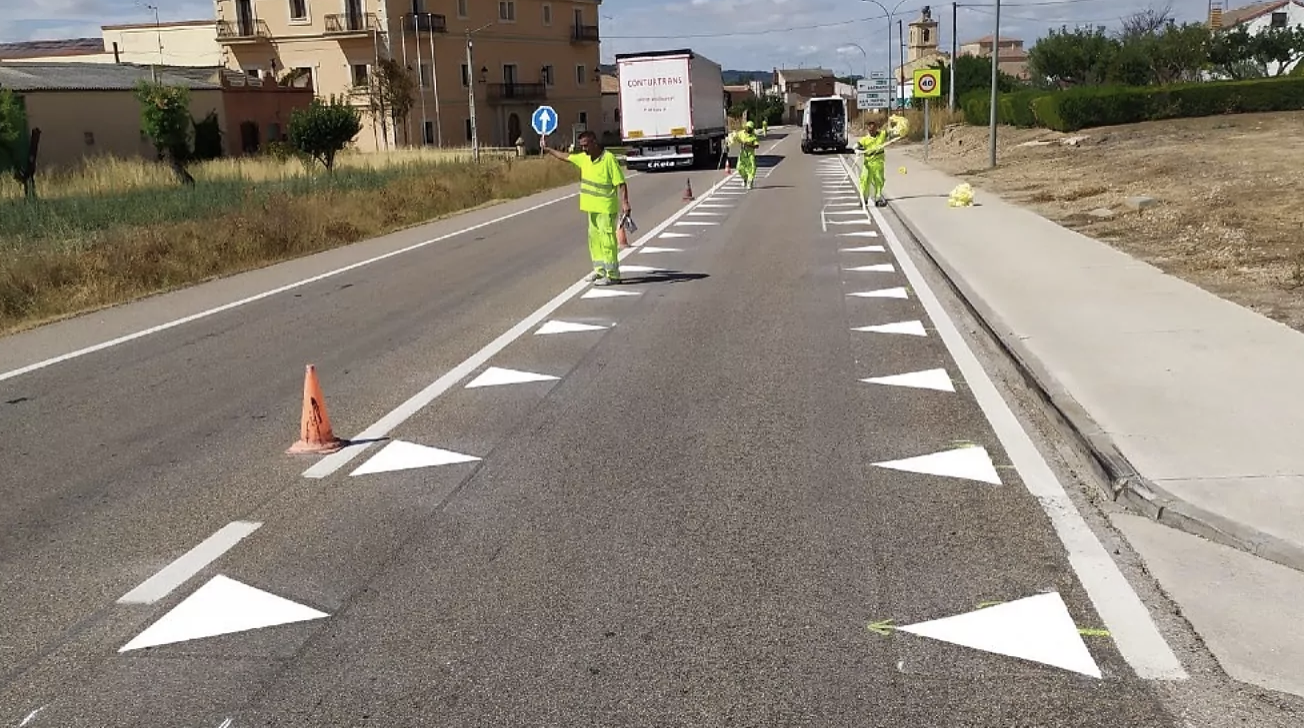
(928, 83)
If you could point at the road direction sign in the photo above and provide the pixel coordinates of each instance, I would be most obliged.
(544, 120)
(867, 85)
(928, 83)
(873, 100)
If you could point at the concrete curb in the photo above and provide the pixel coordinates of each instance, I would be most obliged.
(1120, 481)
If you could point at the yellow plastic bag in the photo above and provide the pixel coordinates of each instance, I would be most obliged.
(961, 196)
(897, 125)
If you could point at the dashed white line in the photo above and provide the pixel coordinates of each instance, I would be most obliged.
(382, 427)
(188, 564)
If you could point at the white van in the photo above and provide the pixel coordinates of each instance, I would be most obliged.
(824, 125)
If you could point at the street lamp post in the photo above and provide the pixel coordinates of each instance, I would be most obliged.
(888, 13)
(470, 92)
(996, 56)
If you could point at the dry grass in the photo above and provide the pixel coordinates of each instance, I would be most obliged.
(156, 239)
(113, 175)
(939, 119)
(1227, 220)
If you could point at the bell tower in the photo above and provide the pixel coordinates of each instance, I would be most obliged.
(923, 38)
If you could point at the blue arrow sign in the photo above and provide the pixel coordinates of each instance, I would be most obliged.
(544, 120)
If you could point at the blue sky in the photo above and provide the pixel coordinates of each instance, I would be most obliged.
(741, 34)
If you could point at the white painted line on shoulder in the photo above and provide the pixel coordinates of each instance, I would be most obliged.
(188, 564)
(267, 294)
(1126, 617)
(382, 427)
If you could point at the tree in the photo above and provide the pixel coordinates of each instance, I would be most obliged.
(17, 150)
(972, 73)
(1168, 54)
(760, 109)
(323, 129)
(165, 119)
(390, 94)
(1238, 54)
(1081, 56)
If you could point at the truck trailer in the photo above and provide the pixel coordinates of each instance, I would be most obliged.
(672, 109)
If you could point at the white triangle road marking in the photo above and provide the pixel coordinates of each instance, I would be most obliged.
(221, 606)
(844, 212)
(714, 214)
(851, 222)
(608, 293)
(969, 463)
(912, 328)
(865, 249)
(860, 234)
(675, 235)
(698, 223)
(876, 268)
(715, 205)
(928, 379)
(401, 455)
(1037, 628)
(566, 327)
(881, 293)
(645, 249)
(498, 376)
(640, 269)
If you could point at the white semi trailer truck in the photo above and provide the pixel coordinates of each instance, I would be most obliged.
(672, 109)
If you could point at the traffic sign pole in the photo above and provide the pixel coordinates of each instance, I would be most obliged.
(926, 126)
(928, 86)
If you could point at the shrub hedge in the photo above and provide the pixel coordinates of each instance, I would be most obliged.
(1087, 106)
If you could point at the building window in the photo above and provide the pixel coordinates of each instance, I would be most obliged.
(468, 130)
(507, 10)
(427, 75)
(89, 137)
(462, 11)
(509, 73)
(580, 75)
(579, 17)
(273, 132)
(584, 117)
(430, 132)
(548, 76)
(466, 76)
(298, 9)
(547, 14)
(359, 74)
(1279, 20)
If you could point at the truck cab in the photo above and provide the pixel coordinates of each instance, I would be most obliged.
(824, 125)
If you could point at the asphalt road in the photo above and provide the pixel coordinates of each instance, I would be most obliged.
(688, 524)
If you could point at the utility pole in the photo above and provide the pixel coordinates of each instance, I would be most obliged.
(158, 36)
(996, 55)
(434, 83)
(950, 101)
(470, 92)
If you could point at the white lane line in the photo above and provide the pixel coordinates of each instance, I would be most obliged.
(382, 427)
(267, 294)
(188, 564)
(1128, 621)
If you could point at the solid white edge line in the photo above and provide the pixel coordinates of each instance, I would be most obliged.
(267, 294)
(188, 564)
(1126, 617)
(382, 427)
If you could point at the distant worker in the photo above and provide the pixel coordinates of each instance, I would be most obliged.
(601, 179)
(748, 143)
(765, 128)
(872, 174)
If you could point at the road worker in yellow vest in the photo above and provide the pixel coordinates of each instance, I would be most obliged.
(604, 197)
(748, 142)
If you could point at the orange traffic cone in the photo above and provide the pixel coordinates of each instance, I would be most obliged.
(688, 191)
(727, 170)
(315, 435)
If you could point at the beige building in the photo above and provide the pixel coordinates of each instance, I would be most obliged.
(187, 43)
(524, 53)
(90, 109)
(1011, 58)
(610, 133)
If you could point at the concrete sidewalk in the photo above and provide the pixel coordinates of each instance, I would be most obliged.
(1194, 403)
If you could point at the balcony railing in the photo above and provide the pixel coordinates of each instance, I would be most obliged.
(425, 23)
(505, 92)
(350, 23)
(584, 34)
(242, 31)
